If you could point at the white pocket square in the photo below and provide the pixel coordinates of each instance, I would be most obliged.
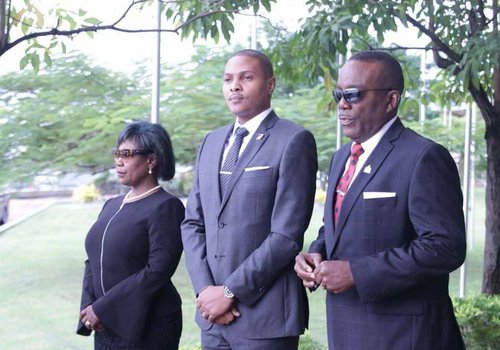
(254, 168)
(375, 195)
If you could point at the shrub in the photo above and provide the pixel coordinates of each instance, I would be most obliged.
(479, 320)
(86, 193)
(320, 196)
(308, 343)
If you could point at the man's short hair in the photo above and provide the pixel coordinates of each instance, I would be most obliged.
(265, 62)
(391, 67)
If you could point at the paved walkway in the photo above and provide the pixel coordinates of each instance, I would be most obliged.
(21, 209)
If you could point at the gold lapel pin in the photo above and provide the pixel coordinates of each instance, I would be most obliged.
(259, 137)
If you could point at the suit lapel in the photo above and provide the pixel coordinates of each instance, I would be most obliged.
(375, 161)
(253, 147)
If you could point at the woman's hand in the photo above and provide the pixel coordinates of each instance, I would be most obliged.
(90, 320)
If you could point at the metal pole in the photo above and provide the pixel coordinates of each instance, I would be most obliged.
(253, 44)
(340, 134)
(466, 188)
(155, 86)
(473, 179)
(424, 77)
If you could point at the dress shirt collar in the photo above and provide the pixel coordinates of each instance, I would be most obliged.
(368, 147)
(253, 124)
(370, 144)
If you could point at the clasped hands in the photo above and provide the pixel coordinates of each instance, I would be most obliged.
(90, 320)
(333, 275)
(215, 307)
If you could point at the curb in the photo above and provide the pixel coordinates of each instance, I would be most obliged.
(11, 224)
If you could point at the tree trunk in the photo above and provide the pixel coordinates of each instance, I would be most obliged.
(3, 28)
(491, 275)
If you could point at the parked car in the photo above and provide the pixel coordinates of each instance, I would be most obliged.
(4, 208)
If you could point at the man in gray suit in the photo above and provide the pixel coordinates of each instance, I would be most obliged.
(250, 204)
(393, 223)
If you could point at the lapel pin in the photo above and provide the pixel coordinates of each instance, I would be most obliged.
(259, 137)
(368, 169)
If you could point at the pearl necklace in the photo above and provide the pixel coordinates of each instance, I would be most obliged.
(129, 199)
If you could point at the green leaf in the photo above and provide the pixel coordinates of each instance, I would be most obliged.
(35, 61)
(169, 13)
(24, 61)
(401, 13)
(266, 4)
(24, 28)
(93, 21)
(47, 59)
(71, 22)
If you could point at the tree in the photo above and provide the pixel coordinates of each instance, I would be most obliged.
(192, 103)
(26, 23)
(463, 37)
(65, 118)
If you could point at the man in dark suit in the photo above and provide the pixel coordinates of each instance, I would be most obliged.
(250, 204)
(393, 223)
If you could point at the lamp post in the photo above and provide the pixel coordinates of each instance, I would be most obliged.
(155, 86)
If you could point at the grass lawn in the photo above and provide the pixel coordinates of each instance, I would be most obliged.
(41, 264)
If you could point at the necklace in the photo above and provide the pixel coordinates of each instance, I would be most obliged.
(129, 199)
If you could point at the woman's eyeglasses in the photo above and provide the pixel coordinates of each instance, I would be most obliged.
(128, 153)
(351, 95)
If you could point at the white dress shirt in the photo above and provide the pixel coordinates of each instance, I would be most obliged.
(252, 125)
(368, 147)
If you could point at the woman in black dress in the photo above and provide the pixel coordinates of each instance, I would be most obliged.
(133, 250)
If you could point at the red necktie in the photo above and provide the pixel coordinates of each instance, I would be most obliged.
(345, 180)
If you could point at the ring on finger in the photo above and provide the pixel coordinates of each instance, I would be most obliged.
(88, 324)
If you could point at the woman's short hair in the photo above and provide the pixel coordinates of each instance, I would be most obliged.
(152, 137)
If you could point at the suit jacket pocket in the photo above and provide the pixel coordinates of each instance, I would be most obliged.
(396, 307)
(257, 171)
(380, 202)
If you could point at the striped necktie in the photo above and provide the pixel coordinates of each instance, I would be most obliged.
(231, 159)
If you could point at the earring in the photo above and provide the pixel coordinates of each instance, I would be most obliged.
(150, 171)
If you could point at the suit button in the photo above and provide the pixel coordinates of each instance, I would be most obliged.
(215, 256)
(221, 224)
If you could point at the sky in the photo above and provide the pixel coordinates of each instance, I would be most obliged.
(121, 51)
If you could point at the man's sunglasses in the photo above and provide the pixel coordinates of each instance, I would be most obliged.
(128, 153)
(351, 95)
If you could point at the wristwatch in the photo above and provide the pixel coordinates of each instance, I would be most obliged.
(227, 293)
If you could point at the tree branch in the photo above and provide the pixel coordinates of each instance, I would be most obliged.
(455, 57)
(396, 47)
(57, 32)
(202, 15)
(124, 14)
